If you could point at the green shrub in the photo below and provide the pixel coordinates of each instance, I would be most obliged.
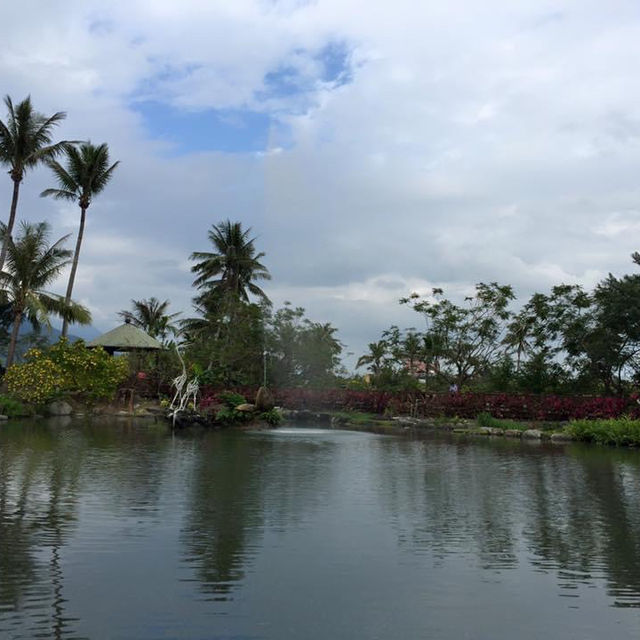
(231, 399)
(12, 408)
(272, 417)
(615, 431)
(230, 416)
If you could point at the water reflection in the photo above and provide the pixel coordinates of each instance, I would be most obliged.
(242, 484)
(311, 533)
(39, 471)
(572, 511)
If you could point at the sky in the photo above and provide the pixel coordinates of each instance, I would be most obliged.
(375, 148)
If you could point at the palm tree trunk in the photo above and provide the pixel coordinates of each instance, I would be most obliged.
(12, 220)
(17, 321)
(74, 268)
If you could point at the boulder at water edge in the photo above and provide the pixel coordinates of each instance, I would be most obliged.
(59, 408)
(264, 400)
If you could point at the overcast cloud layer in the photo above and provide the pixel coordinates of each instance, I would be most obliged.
(375, 147)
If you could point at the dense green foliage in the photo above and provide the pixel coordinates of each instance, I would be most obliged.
(615, 431)
(272, 417)
(66, 370)
(567, 341)
(12, 408)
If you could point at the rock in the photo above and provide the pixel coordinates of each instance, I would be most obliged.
(484, 431)
(246, 407)
(59, 408)
(513, 433)
(532, 433)
(3, 417)
(264, 400)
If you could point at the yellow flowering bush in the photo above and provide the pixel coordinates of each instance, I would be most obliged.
(66, 369)
(36, 381)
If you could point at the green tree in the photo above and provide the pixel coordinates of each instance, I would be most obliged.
(229, 351)
(467, 337)
(301, 352)
(87, 173)
(32, 264)
(25, 142)
(151, 316)
(232, 269)
(375, 359)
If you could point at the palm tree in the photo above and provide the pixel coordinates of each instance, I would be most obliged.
(25, 141)
(86, 174)
(151, 316)
(518, 336)
(232, 269)
(375, 357)
(31, 265)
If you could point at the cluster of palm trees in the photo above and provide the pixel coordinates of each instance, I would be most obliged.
(29, 262)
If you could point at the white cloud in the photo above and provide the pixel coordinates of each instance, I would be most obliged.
(475, 141)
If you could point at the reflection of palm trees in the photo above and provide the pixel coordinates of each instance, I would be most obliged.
(229, 507)
(224, 511)
(27, 523)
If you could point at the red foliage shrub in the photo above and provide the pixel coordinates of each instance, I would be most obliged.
(462, 405)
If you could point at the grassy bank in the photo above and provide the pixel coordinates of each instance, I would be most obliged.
(487, 420)
(620, 432)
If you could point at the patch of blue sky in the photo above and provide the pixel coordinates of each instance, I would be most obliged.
(331, 66)
(335, 60)
(224, 130)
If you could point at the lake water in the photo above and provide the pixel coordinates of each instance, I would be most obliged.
(121, 530)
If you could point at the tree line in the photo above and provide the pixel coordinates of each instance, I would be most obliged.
(569, 340)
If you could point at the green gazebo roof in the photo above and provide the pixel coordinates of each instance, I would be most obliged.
(126, 337)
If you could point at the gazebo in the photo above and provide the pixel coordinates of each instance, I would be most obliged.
(126, 337)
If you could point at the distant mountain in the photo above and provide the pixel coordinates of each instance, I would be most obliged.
(52, 334)
(27, 338)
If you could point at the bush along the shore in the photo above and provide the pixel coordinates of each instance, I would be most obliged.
(623, 431)
(66, 370)
(12, 408)
(272, 417)
(420, 404)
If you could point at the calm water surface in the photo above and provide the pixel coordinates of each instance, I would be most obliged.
(119, 530)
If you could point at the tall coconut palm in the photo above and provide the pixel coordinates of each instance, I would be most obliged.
(231, 271)
(32, 264)
(86, 175)
(151, 316)
(25, 141)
